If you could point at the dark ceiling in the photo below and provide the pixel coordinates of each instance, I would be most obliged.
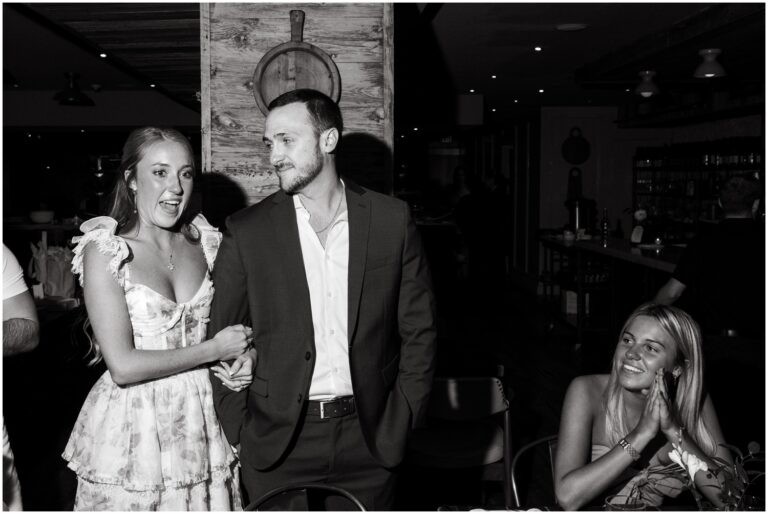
(441, 50)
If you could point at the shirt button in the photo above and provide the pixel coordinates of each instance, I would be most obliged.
(308, 355)
(332, 331)
(330, 295)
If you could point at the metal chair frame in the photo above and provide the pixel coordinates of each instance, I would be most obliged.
(551, 441)
(444, 404)
(254, 505)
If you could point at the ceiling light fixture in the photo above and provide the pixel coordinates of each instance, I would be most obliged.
(493, 110)
(72, 95)
(571, 27)
(541, 90)
(537, 48)
(709, 67)
(103, 55)
(493, 76)
(151, 85)
(515, 101)
(471, 90)
(647, 88)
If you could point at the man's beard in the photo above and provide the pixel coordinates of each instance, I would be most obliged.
(304, 175)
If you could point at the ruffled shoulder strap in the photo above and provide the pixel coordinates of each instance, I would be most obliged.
(101, 230)
(210, 239)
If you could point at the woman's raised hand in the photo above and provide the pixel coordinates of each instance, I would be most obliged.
(666, 419)
(648, 425)
(232, 341)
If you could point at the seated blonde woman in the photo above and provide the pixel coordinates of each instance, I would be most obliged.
(617, 430)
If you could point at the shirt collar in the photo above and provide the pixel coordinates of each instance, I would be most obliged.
(300, 206)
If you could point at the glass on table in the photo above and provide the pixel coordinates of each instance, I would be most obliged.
(624, 503)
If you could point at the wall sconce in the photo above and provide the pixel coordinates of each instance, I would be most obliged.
(709, 67)
(646, 88)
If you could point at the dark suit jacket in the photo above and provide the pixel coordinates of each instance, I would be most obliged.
(260, 281)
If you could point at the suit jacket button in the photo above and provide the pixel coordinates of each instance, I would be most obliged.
(308, 355)
(300, 398)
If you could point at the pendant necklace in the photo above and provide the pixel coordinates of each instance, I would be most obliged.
(170, 265)
(335, 213)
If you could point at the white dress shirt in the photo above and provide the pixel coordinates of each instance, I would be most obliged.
(327, 272)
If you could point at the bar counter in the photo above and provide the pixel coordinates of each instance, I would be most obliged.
(593, 286)
(662, 258)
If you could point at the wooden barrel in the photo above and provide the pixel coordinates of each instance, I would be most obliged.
(294, 65)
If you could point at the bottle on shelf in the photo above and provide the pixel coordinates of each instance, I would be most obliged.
(605, 227)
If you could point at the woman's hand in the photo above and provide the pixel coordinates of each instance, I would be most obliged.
(232, 341)
(236, 383)
(667, 422)
(648, 425)
(239, 375)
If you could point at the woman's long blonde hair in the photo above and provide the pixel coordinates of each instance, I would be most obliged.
(690, 383)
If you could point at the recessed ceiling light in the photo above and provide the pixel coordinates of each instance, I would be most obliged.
(416, 128)
(541, 90)
(571, 27)
(471, 90)
(627, 90)
(515, 101)
(493, 110)
(537, 48)
(15, 85)
(493, 76)
(82, 130)
(103, 55)
(402, 135)
(151, 85)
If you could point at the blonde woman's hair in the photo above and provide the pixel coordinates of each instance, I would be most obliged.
(690, 383)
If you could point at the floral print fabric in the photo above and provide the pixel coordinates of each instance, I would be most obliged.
(154, 445)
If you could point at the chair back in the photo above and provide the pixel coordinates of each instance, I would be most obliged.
(466, 398)
(550, 444)
(267, 498)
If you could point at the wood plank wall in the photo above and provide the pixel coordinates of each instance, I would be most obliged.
(235, 36)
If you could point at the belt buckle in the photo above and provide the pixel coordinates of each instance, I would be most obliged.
(322, 409)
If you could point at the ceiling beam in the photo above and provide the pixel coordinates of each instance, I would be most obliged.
(67, 33)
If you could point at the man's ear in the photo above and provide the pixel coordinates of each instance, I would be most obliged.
(329, 139)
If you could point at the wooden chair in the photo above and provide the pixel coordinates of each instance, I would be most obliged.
(550, 443)
(289, 489)
(468, 426)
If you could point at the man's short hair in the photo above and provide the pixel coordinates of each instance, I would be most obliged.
(738, 194)
(323, 111)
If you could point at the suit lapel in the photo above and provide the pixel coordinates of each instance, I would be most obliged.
(359, 214)
(290, 258)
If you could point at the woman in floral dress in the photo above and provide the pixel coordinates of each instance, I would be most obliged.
(624, 432)
(147, 437)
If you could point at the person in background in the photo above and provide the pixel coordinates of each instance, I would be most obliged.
(720, 280)
(147, 437)
(720, 276)
(346, 352)
(21, 333)
(617, 430)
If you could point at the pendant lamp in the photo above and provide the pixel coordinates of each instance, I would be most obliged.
(709, 67)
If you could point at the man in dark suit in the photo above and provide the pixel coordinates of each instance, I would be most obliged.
(334, 281)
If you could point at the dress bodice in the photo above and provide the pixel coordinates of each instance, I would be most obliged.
(158, 322)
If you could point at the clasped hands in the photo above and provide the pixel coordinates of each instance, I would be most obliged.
(657, 414)
(238, 375)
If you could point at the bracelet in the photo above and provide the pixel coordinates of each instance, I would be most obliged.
(629, 449)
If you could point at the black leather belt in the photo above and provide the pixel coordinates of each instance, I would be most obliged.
(333, 408)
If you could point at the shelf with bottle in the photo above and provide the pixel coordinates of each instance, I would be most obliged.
(681, 182)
